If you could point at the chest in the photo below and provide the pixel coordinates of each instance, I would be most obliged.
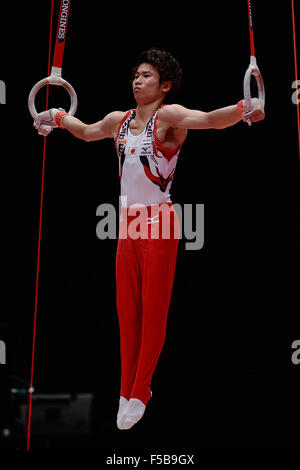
(136, 128)
(166, 135)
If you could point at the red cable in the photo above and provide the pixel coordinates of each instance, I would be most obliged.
(39, 243)
(251, 33)
(296, 71)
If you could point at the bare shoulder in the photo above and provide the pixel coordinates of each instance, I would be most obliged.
(171, 112)
(169, 133)
(116, 115)
(113, 121)
(178, 117)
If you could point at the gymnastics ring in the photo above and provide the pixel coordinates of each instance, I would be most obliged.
(54, 79)
(253, 70)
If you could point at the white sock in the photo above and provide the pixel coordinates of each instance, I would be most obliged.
(133, 413)
(123, 403)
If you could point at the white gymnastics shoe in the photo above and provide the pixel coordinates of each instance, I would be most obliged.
(123, 403)
(133, 413)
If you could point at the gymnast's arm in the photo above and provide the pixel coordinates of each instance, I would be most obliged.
(103, 129)
(107, 127)
(178, 116)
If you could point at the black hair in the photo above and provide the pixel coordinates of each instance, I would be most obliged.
(167, 66)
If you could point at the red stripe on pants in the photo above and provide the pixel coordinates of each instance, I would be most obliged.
(145, 269)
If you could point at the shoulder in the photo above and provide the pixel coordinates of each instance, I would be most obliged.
(114, 120)
(173, 116)
(115, 117)
(166, 128)
(170, 112)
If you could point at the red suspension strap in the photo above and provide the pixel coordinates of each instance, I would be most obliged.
(252, 49)
(252, 70)
(54, 78)
(61, 33)
(296, 71)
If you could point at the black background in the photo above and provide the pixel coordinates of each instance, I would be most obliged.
(225, 379)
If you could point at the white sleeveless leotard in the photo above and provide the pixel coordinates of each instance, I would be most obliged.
(146, 168)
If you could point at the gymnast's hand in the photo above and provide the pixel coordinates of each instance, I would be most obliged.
(46, 121)
(257, 112)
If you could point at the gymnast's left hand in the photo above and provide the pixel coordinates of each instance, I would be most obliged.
(257, 113)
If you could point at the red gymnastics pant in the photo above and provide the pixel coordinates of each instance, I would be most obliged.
(145, 268)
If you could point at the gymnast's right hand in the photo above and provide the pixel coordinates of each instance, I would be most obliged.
(45, 122)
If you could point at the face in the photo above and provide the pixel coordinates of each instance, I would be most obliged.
(146, 84)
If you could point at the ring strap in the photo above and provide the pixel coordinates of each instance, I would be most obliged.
(252, 49)
(61, 33)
